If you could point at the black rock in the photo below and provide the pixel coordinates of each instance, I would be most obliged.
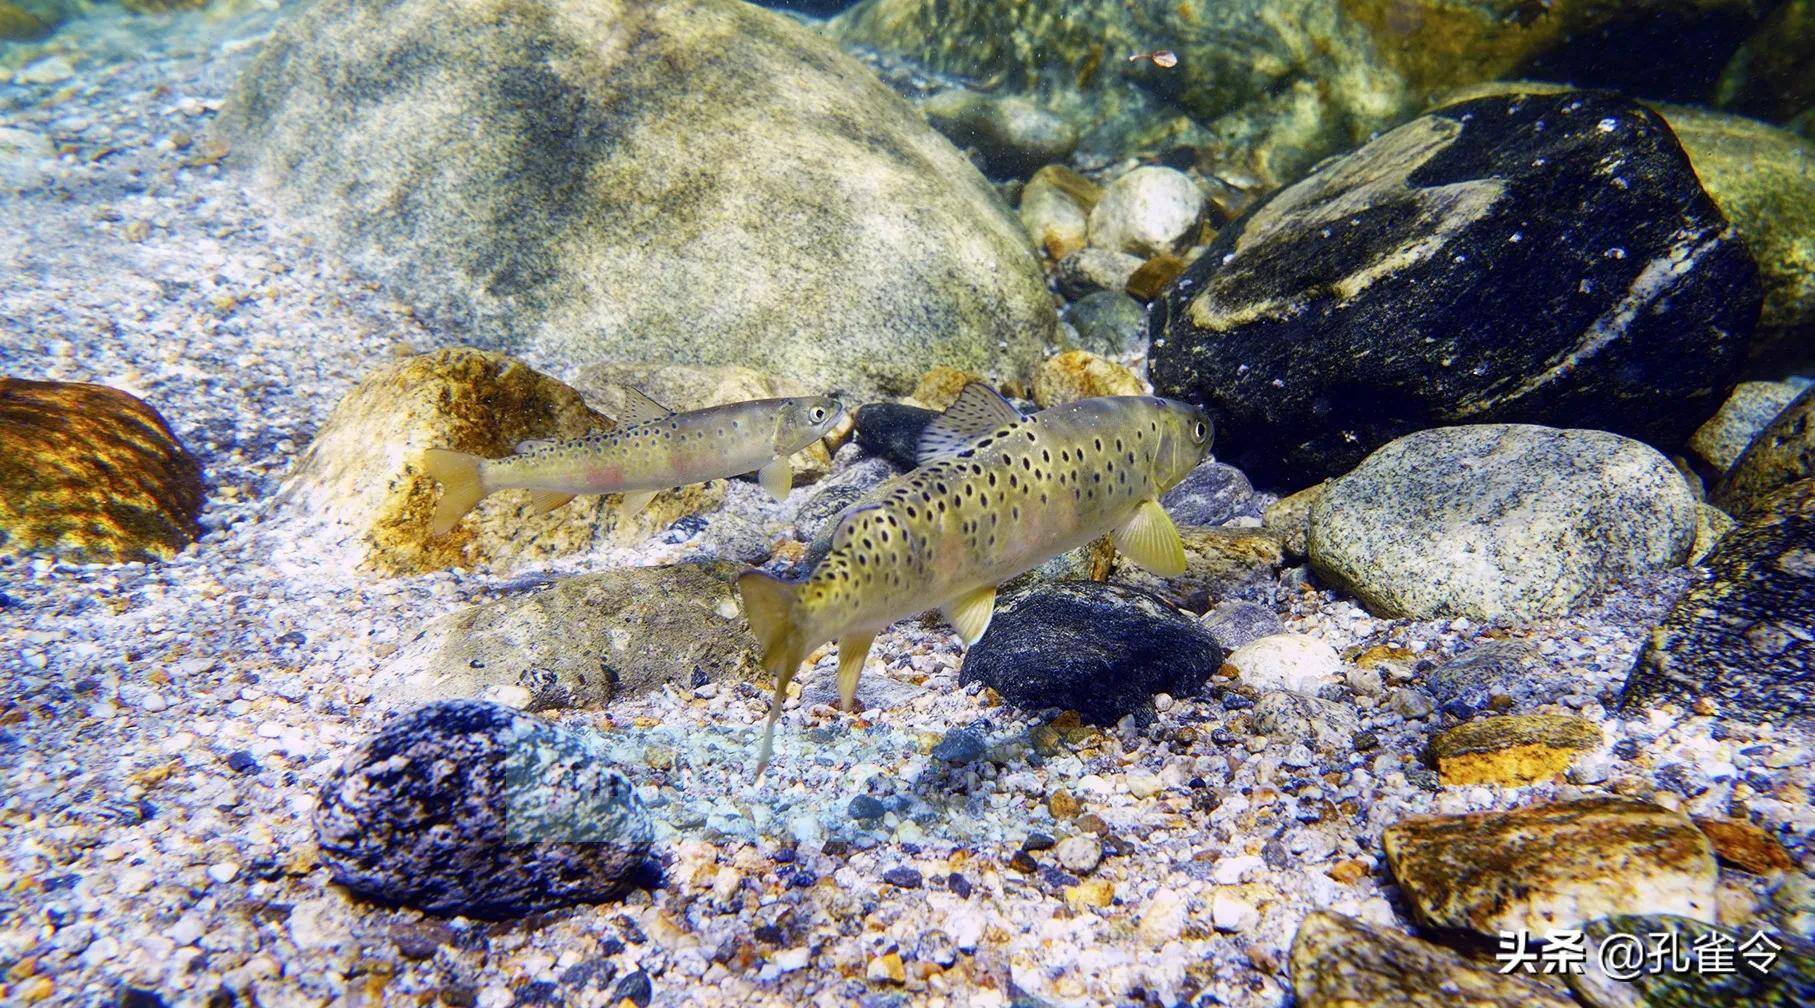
(1099, 649)
(1211, 494)
(470, 807)
(903, 876)
(1745, 637)
(635, 988)
(242, 761)
(865, 807)
(892, 430)
(139, 997)
(961, 746)
(1531, 258)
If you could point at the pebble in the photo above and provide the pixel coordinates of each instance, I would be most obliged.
(1232, 914)
(1079, 854)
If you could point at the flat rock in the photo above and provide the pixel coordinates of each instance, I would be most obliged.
(1749, 410)
(596, 181)
(1369, 299)
(1512, 751)
(1220, 564)
(581, 641)
(1780, 454)
(1709, 978)
(1468, 684)
(1744, 638)
(1101, 650)
(1551, 867)
(1324, 726)
(1339, 962)
(358, 485)
(1500, 521)
(467, 807)
(92, 475)
(1287, 661)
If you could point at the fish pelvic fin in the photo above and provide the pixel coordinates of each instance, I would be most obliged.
(462, 479)
(772, 608)
(1150, 539)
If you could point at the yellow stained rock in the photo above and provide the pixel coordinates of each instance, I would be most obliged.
(1096, 892)
(92, 474)
(1551, 867)
(941, 385)
(1745, 846)
(360, 484)
(1080, 374)
(1154, 276)
(887, 969)
(1513, 750)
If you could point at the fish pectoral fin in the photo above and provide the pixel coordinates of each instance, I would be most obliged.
(637, 407)
(632, 504)
(970, 613)
(1150, 539)
(853, 648)
(978, 410)
(777, 477)
(544, 501)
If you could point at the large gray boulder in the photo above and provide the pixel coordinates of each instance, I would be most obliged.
(698, 181)
(1500, 521)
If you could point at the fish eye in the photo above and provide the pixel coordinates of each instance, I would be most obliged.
(1199, 430)
(818, 414)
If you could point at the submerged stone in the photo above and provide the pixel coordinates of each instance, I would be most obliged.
(1551, 867)
(1101, 650)
(1779, 455)
(1512, 751)
(91, 474)
(1500, 521)
(1370, 299)
(1749, 410)
(604, 180)
(581, 642)
(1684, 963)
(1744, 639)
(1340, 962)
(465, 807)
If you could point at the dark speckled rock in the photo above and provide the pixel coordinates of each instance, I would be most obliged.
(1786, 981)
(1782, 453)
(1745, 638)
(891, 430)
(1372, 298)
(1339, 962)
(1211, 494)
(467, 807)
(1098, 649)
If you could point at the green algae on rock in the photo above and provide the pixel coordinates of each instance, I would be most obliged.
(1340, 962)
(359, 479)
(1545, 868)
(607, 182)
(92, 475)
(1723, 966)
(1742, 640)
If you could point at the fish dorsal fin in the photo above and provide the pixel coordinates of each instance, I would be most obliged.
(638, 408)
(533, 445)
(978, 410)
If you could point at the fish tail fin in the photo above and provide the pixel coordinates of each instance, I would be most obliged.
(772, 608)
(462, 486)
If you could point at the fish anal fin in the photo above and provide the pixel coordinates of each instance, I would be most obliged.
(777, 477)
(637, 407)
(978, 410)
(544, 501)
(970, 613)
(632, 504)
(853, 648)
(1150, 539)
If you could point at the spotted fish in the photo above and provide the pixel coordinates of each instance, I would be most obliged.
(656, 449)
(995, 495)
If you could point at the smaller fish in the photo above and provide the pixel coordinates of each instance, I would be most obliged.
(655, 449)
(1165, 59)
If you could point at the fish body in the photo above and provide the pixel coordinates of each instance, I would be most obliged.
(997, 495)
(656, 449)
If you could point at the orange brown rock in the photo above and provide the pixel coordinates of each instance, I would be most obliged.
(1511, 751)
(1745, 846)
(92, 474)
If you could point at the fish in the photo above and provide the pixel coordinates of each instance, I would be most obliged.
(995, 494)
(655, 449)
(1165, 59)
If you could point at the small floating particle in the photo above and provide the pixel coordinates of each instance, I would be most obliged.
(1165, 59)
